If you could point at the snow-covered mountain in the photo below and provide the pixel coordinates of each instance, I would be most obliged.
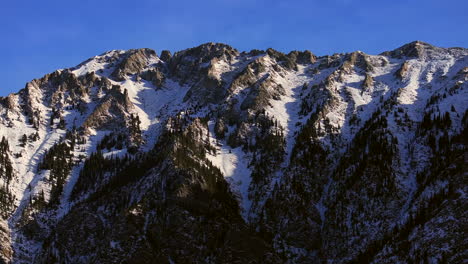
(212, 155)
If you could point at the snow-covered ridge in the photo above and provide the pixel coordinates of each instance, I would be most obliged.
(216, 82)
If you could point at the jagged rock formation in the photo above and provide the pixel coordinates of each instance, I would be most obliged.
(212, 155)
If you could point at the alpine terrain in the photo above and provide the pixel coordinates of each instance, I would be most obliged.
(212, 155)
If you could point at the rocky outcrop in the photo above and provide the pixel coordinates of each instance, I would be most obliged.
(302, 57)
(261, 93)
(155, 76)
(282, 59)
(368, 82)
(134, 62)
(359, 60)
(6, 252)
(401, 73)
(420, 50)
(112, 112)
(207, 90)
(165, 55)
(329, 61)
(8, 102)
(191, 64)
(411, 50)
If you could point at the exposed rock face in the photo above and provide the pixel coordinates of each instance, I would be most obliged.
(414, 49)
(219, 156)
(198, 67)
(189, 65)
(402, 71)
(134, 62)
(358, 60)
(329, 61)
(166, 55)
(155, 76)
(6, 251)
(368, 82)
(207, 90)
(302, 57)
(111, 112)
(9, 102)
(261, 93)
(282, 59)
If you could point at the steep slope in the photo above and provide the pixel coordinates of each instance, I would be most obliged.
(212, 155)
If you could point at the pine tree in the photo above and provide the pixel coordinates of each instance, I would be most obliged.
(7, 174)
(23, 140)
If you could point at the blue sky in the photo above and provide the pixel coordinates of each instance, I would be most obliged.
(38, 37)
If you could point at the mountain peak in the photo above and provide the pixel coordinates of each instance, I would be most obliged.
(415, 49)
(133, 62)
(207, 51)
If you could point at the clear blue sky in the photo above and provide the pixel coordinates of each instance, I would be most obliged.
(38, 37)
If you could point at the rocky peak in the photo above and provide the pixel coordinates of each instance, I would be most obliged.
(302, 57)
(165, 55)
(415, 49)
(256, 52)
(286, 61)
(357, 59)
(196, 66)
(205, 53)
(329, 61)
(135, 61)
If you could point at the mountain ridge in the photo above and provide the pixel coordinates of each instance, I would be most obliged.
(408, 45)
(307, 158)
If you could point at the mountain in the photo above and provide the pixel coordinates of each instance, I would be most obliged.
(212, 155)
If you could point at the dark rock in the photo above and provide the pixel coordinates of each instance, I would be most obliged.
(256, 52)
(415, 49)
(9, 102)
(165, 55)
(207, 90)
(329, 61)
(285, 61)
(302, 57)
